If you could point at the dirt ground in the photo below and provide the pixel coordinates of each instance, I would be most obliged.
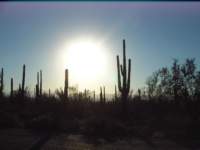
(19, 139)
(77, 142)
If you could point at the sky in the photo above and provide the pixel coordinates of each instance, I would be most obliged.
(36, 33)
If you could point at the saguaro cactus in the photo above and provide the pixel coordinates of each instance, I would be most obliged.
(38, 78)
(104, 94)
(11, 87)
(94, 95)
(40, 82)
(66, 83)
(139, 94)
(37, 85)
(101, 95)
(37, 90)
(23, 79)
(1, 83)
(85, 93)
(115, 92)
(124, 88)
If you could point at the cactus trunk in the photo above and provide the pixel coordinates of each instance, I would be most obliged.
(37, 90)
(40, 82)
(37, 85)
(94, 96)
(2, 85)
(101, 95)
(11, 88)
(23, 80)
(104, 94)
(115, 92)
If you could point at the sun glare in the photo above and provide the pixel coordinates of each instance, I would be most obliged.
(86, 61)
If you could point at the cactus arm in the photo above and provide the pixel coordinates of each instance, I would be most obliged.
(121, 67)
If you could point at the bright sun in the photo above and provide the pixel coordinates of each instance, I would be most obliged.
(86, 61)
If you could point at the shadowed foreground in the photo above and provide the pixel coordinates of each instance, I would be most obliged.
(22, 139)
(52, 124)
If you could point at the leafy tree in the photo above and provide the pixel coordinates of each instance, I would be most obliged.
(165, 81)
(181, 80)
(188, 71)
(177, 81)
(152, 82)
(197, 85)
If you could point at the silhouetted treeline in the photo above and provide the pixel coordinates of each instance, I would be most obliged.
(179, 82)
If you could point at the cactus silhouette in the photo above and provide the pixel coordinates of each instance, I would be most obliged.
(139, 94)
(104, 94)
(38, 78)
(124, 88)
(23, 81)
(11, 87)
(49, 92)
(85, 93)
(66, 83)
(115, 92)
(37, 85)
(40, 82)
(94, 95)
(37, 90)
(1, 83)
(101, 95)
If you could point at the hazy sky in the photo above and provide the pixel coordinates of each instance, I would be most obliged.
(34, 33)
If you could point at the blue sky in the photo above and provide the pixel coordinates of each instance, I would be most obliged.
(33, 33)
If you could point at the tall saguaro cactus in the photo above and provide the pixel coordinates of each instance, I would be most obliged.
(66, 83)
(11, 88)
(1, 83)
(94, 95)
(101, 95)
(37, 85)
(40, 82)
(23, 79)
(124, 88)
(104, 94)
